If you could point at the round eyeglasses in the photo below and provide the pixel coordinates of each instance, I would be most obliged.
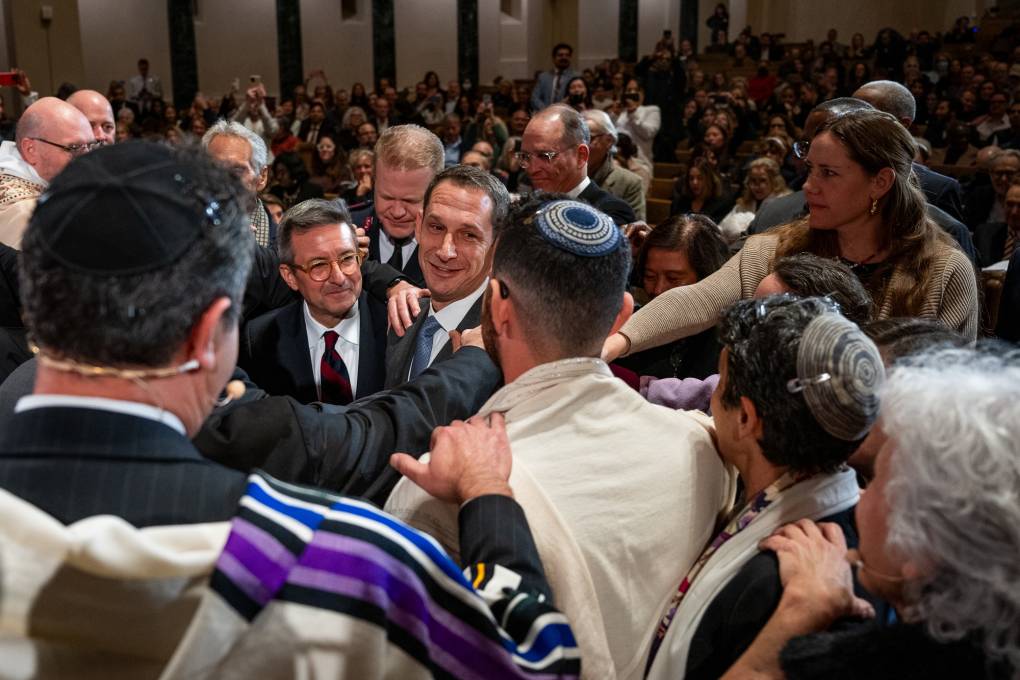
(321, 270)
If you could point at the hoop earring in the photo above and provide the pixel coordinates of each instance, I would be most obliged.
(874, 207)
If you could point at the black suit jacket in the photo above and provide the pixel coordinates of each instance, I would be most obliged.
(326, 128)
(74, 463)
(990, 242)
(980, 200)
(1009, 305)
(400, 351)
(347, 449)
(600, 199)
(370, 222)
(741, 609)
(13, 345)
(274, 351)
(941, 191)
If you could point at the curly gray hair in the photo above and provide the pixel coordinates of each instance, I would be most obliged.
(954, 490)
(259, 152)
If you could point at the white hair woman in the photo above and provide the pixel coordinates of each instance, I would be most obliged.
(939, 538)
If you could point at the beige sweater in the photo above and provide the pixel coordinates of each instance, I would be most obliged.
(688, 310)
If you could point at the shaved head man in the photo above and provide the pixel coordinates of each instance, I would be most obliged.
(97, 109)
(49, 134)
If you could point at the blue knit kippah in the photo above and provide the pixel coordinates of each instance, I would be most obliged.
(577, 228)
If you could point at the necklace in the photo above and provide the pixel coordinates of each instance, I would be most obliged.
(854, 265)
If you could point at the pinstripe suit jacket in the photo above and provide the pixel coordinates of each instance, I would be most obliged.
(74, 463)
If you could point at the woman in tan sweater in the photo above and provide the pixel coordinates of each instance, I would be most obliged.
(867, 210)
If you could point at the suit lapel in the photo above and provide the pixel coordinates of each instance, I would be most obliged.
(371, 347)
(400, 351)
(470, 320)
(293, 355)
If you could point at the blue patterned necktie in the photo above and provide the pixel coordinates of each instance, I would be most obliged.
(423, 346)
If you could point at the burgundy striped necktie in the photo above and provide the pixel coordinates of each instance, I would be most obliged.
(336, 381)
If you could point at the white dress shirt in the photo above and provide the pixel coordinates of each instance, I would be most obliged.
(386, 247)
(349, 330)
(576, 191)
(449, 317)
(130, 408)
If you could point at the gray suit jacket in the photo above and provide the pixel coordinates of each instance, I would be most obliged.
(400, 351)
(623, 184)
(543, 95)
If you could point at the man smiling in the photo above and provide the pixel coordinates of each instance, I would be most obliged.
(327, 347)
(462, 206)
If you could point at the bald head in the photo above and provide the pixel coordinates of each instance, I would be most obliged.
(43, 131)
(97, 109)
(894, 98)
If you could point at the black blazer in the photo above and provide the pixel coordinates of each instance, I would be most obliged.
(274, 351)
(400, 351)
(347, 448)
(990, 242)
(941, 191)
(1009, 305)
(326, 128)
(74, 463)
(741, 609)
(600, 199)
(370, 222)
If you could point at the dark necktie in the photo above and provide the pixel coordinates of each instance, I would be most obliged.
(423, 346)
(397, 258)
(336, 381)
(1010, 244)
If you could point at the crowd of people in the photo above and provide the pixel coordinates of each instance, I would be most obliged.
(405, 384)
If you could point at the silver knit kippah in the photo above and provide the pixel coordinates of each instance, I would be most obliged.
(840, 372)
(578, 228)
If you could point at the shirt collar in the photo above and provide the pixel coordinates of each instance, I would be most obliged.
(131, 408)
(11, 163)
(576, 191)
(450, 316)
(348, 328)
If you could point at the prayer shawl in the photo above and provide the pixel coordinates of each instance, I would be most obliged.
(308, 585)
(621, 496)
(812, 498)
(20, 186)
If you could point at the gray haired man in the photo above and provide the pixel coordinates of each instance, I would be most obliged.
(618, 181)
(244, 153)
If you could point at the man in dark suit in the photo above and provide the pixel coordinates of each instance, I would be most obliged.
(554, 152)
(551, 86)
(166, 307)
(997, 241)
(315, 124)
(792, 470)
(407, 157)
(463, 206)
(329, 346)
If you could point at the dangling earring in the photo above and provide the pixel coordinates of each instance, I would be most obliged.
(874, 207)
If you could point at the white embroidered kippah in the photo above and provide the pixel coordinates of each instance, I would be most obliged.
(578, 228)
